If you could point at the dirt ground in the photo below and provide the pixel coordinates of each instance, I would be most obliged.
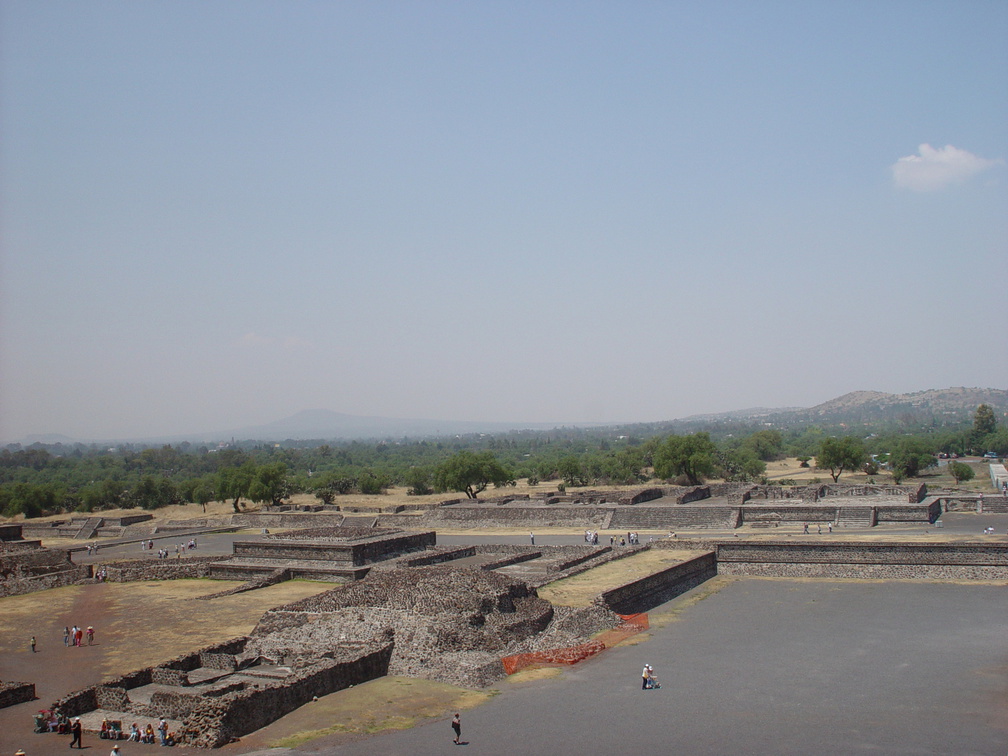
(136, 625)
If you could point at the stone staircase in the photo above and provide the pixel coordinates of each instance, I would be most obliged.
(995, 505)
(89, 528)
(856, 517)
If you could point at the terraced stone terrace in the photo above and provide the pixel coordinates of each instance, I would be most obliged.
(336, 554)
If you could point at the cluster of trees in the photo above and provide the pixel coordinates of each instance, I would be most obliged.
(38, 480)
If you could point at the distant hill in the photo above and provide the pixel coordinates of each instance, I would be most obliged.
(864, 409)
(328, 425)
(939, 406)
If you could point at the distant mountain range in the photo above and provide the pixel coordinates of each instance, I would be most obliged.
(326, 424)
(939, 406)
(858, 408)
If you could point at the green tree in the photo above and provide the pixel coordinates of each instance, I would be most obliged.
(154, 492)
(693, 456)
(470, 473)
(269, 484)
(371, 482)
(765, 444)
(984, 421)
(418, 481)
(234, 483)
(571, 471)
(960, 471)
(839, 454)
(910, 457)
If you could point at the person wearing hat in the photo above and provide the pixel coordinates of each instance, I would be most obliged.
(20, 752)
(75, 730)
(115, 751)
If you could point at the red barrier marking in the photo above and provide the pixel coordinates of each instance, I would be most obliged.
(631, 625)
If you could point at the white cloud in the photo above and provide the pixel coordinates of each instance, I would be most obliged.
(933, 169)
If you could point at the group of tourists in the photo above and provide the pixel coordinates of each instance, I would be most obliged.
(591, 537)
(51, 721)
(829, 526)
(75, 636)
(180, 548)
(630, 538)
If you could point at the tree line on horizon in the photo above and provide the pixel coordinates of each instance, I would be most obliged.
(41, 480)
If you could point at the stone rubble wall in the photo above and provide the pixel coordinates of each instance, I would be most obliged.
(11, 532)
(697, 493)
(12, 693)
(25, 562)
(18, 586)
(218, 722)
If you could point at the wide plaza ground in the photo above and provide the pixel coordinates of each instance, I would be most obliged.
(763, 666)
(748, 666)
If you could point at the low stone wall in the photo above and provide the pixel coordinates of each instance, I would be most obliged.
(782, 512)
(279, 575)
(438, 556)
(159, 569)
(650, 591)
(352, 553)
(865, 571)
(903, 561)
(18, 586)
(217, 722)
(10, 532)
(865, 553)
(26, 561)
(925, 512)
(697, 493)
(12, 693)
(523, 517)
(648, 494)
(77, 703)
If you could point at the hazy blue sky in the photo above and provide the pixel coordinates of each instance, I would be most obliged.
(219, 214)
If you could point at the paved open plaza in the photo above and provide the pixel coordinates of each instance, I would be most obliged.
(766, 666)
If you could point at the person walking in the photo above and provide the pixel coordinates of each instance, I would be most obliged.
(532, 538)
(90, 635)
(75, 730)
(163, 731)
(33, 644)
(457, 726)
(66, 636)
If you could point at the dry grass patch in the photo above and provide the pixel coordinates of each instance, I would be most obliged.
(388, 703)
(580, 590)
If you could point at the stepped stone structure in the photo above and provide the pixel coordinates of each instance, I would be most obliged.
(336, 554)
